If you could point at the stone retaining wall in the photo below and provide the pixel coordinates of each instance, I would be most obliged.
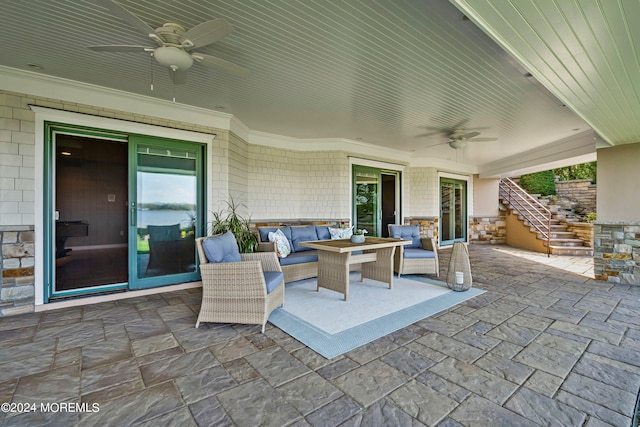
(583, 230)
(487, 230)
(617, 252)
(579, 190)
(17, 257)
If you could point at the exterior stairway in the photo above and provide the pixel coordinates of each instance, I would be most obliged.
(531, 224)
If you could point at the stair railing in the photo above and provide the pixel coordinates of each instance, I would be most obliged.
(527, 206)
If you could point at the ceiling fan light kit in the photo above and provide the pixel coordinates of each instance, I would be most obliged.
(174, 43)
(173, 57)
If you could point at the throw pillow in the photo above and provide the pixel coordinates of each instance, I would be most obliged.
(340, 233)
(282, 243)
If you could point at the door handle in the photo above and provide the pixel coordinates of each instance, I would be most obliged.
(133, 215)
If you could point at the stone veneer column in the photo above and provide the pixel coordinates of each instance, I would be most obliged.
(487, 229)
(17, 253)
(617, 252)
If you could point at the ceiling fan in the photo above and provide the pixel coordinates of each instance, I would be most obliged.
(458, 139)
(175, 44)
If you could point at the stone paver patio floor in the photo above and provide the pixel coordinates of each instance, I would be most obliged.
(546, 345)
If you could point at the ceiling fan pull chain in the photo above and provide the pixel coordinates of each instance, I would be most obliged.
(151, 57)
(174, 90)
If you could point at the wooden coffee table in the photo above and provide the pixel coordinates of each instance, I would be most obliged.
(335, 257)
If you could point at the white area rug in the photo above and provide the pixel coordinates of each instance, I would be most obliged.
(368, 300)
(331, 326)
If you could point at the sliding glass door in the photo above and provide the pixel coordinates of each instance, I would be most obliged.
(376, 200)
(122, 211)
(453, 211)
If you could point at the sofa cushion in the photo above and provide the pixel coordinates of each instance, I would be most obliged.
(282, 243)
(300, 257)
(407, 232)
(273, 279)
(223, 248)
(416, 253)
(323, 232)
(264, 234)
(303, 234)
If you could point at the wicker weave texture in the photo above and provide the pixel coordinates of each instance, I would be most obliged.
(402, 265)
(382, 269)
(459, 262)
(235, 292)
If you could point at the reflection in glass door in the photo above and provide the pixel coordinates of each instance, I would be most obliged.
(165, 214)
(453, 211)
(366, 196)
(376, 199)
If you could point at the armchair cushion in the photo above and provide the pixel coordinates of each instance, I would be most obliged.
(407, 232)
(222, 248)
(303, 234)
(417, 253)
(273, 279)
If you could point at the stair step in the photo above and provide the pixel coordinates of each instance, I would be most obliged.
(567, 242)
(562, 235)
(571, 251)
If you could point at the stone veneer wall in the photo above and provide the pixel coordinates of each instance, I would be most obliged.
(583, 230)
(617, 252)
(17, 253)
(487, 230)
(580, 190)
(428, 225)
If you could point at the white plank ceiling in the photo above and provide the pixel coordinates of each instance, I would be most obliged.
(382, 72)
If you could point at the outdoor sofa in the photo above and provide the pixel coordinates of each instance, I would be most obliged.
(301, 263)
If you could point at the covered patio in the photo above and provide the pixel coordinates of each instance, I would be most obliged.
(545, 345)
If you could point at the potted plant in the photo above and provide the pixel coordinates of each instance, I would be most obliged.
(358, 235)
(229, 219)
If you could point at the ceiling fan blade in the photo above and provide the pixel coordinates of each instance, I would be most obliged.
(121, 48)
(128, 17)
(206, 33)
(178, 77)
(435, 145)
(469, 135)
(483, 139)
(219, 63)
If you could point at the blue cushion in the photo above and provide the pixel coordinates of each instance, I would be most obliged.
(407, 232)
(273, 279)
(323, 232)
(303, 234)
(418, 253)
(264, 234)
(223, 248)
(300, 257)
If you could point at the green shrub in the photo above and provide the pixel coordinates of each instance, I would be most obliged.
(581, 171)
(539, 183)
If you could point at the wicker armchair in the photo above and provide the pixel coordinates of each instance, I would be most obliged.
(422, 258)
(236, 292)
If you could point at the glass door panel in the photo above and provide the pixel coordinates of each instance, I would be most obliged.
(366, 200)
(459, 212)
(165, 213)
(453, 211)
(446, 220)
